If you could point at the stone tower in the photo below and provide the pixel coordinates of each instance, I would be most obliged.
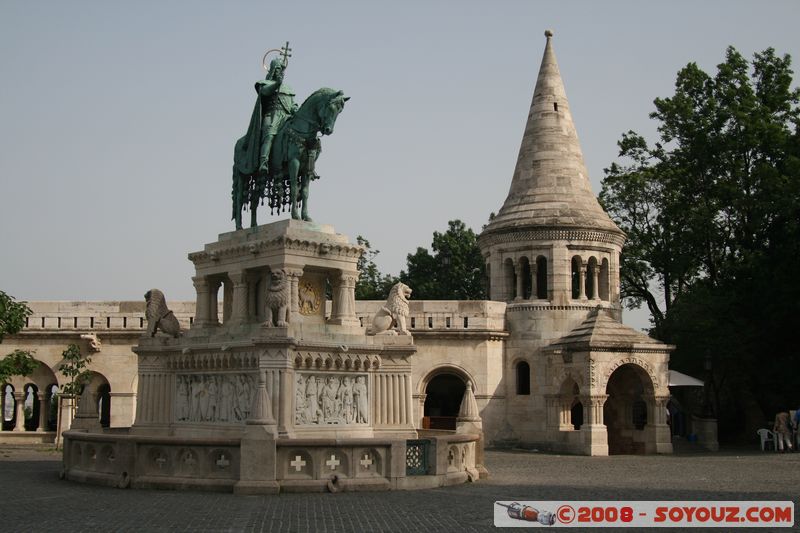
(551, 252)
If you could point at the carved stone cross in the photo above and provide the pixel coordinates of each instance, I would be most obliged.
(366, 461)
(298, 463)
(223, 462)
(333, 462)
(160, 460)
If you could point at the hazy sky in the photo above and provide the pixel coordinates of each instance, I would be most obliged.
(118, 119)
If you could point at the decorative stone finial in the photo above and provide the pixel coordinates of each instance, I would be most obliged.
(548, 33)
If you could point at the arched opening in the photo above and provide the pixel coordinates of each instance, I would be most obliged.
(591, 278)
(443, 396)
(31, 407)
(510, 279)
(576, 415)
(576, 277)
(488, 281)
(9, 407)
(104, 404)
(527, 280)
(541, 277)
(51, 401)
(604, 280)
(625, 413)
(100, 391)
(523, 378)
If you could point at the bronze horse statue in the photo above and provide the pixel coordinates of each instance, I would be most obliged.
(291, 161)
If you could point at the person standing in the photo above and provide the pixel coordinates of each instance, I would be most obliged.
(783, 431)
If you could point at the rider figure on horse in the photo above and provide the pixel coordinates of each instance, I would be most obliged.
(277, 104)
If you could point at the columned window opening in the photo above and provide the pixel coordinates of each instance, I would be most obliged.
(576, 277)
(31, 406)
(591, 279)
(541, 277)
(510, 279)
(604, 280)
(523, 378)
(488, 281)
(527, 281)
(8, 407)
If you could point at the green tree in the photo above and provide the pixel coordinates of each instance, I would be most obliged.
(74, 366)
(711, 211)
(372, 284)
(12, 320)
(455, 270)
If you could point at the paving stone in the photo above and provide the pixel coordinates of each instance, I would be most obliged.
(34, 499)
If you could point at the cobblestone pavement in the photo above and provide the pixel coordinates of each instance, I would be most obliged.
(35, 500)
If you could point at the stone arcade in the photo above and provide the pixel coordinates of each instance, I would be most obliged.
(545, 362)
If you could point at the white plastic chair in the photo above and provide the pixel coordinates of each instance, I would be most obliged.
(767, 437)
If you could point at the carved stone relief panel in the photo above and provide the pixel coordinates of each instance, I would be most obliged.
(310, 297)
(219, 398)
(326, 399)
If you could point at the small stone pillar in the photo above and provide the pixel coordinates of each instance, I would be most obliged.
(213, 302)
(257, 450)
(239, 297)
(582, 279)
(19, 398)
(293, 275)
(534, 286)
(662, 433)
(596, 284)
(343, 311)
(520, 283)
(42, 412)
(202, 313)
(596, 435)
(469, 422)
(87, 418)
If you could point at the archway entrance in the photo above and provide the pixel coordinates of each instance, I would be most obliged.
(442, 401)
(630, 403)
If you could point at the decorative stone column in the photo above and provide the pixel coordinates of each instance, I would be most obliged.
(19, 398)
(596, 436)
(202, 312)
(43, 409)
(343, 311)
(534, 287)
(258, 450)
(239, 313)
(596, 284)
(294, 275)
(518, 271)
(213, 302)
(662, 433)
(582, 279)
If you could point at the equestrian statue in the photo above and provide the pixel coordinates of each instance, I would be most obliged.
(276, 157)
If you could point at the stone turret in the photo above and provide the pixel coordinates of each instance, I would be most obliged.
(551, 252)
(551, 240)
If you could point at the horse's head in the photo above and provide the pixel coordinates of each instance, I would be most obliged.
(330, 110)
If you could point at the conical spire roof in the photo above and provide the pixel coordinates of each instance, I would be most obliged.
(550, 187)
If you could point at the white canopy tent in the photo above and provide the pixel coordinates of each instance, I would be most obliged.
(677, 379)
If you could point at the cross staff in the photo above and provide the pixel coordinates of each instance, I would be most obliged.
(284, 51)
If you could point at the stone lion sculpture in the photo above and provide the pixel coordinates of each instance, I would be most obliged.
(278, 300)
(159, 316)
(391, 318)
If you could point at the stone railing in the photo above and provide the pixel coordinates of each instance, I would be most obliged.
(301, 465)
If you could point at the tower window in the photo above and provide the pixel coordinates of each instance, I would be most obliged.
(555, 106)
(523, 378)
